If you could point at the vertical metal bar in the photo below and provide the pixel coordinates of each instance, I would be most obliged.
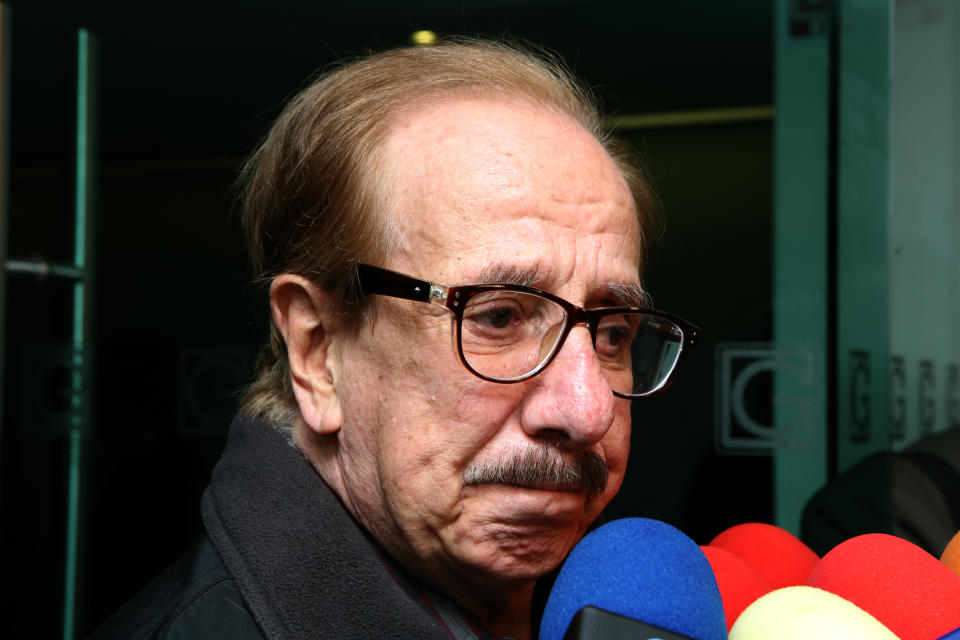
(81, 389)
(832, 243)
(4, 188)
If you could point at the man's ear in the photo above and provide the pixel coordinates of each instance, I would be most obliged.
(299, 313)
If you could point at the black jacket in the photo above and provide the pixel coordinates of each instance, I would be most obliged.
(281, 559)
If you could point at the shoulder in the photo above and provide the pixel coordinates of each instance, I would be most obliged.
(193, 598)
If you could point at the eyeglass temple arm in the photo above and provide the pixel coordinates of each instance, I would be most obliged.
(692, 335)
(375, 280)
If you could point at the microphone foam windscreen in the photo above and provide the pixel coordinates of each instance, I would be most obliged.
(740, 584)
(802, 613)
(778, 556)
(644, 570)
(951, 554)
(900, 584)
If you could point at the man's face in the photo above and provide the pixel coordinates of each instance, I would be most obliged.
(478, 185)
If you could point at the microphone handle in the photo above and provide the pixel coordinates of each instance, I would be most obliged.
(592, 623)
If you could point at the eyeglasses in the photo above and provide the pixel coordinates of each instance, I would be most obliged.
(507, 333)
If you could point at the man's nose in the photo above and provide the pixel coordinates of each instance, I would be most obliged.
(570, 403)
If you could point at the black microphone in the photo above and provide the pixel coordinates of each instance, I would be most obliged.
(591, 622)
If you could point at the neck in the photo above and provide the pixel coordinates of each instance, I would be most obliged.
(514, 621)
(507, 613)
(321, 451)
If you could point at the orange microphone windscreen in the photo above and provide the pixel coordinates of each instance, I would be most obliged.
(951, 554)
(740, 584)
(776, 554)
(895, 581)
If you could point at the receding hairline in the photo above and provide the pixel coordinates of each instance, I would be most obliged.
(377, 161)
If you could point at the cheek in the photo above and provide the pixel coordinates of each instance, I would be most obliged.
(423, 446)
(440, 429)
(616, 446)
(425, 423)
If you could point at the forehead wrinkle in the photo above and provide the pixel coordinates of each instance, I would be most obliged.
(549, 214)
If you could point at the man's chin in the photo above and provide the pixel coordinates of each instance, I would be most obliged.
(521, 547)
(514, 565)
(514, 534)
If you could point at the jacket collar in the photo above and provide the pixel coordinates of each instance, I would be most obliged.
(304, 567)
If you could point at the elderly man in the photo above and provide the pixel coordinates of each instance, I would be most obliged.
(453, 252)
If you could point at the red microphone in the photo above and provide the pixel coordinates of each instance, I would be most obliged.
(780, 558)
(740, 584)
(901, 585)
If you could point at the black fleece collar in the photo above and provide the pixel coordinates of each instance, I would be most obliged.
(303, 566)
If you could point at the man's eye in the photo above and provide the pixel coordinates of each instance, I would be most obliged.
(618, 335)
(494, 317)
(615, 337)
(612, 339)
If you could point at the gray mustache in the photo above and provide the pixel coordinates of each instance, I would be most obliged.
(543, 467)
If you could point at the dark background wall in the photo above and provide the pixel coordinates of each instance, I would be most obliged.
(185, 91)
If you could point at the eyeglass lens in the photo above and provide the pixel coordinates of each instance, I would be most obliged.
(506, 335)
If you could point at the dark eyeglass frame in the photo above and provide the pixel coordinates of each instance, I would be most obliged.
(384, 282)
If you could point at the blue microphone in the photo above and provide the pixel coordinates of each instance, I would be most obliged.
(635, 578)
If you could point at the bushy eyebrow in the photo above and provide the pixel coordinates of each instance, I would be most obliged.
(630, 294)
(504, 273)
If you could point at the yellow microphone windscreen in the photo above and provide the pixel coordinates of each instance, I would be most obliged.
(802, 613)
